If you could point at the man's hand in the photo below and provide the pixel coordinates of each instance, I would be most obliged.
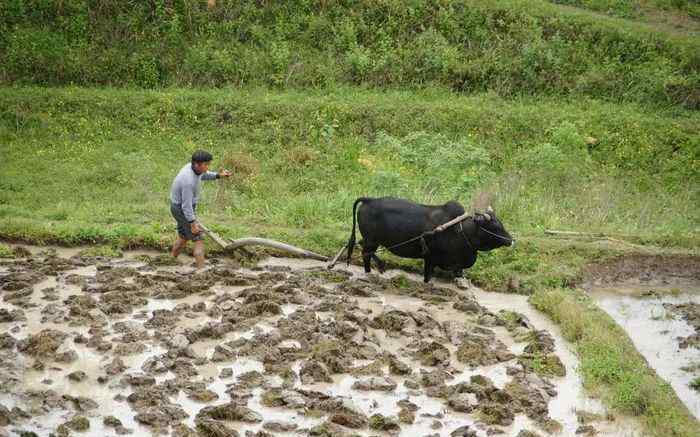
(195, 228)
(224, 173)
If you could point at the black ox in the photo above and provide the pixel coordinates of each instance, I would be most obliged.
(391, 222)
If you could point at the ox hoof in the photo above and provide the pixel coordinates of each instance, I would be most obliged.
(463, 283)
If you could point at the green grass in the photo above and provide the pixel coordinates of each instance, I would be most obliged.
(681, 14)
(695, 384)
(612, 367)
(101, 251)
(6, 251)
(89, 165)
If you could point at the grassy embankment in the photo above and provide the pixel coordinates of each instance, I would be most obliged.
(568, 119)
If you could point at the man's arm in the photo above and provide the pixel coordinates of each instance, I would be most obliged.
(210, 175)
(187, 208)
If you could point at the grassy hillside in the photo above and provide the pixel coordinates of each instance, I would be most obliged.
(510, 47)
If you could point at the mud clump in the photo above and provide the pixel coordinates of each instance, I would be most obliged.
(461, 402)
(161, 260)
(111, 421)
(333, 355)
(22, 280)
(434, 378)
(357, 288)
(538, 355)
(77, 376)
(393, 321)
(161, 416)
(477, 350)
(15, 315)
(78, 423)
(433, 354)
(495, 414)
(690, 312)
(540, 342)
(384, 423)
(527, 433)
(463, 431)
(375, 383)
(349, 420)
(230, 411)
(162, 319)
(214, 428)
(328, 429)
(398, 367)
(283, 398)
(43, 344)
(5, 416)
(544, 365)
(7, 341)
(115, 367)
(313, 371)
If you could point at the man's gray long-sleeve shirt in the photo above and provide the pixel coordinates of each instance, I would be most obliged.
(185, 189)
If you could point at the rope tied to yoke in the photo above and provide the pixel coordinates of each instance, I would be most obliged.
(438, 229)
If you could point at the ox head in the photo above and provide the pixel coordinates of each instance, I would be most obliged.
(490, 233)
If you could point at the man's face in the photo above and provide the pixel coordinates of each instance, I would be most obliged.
(201, 167)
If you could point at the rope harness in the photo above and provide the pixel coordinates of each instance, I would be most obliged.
(424, 245)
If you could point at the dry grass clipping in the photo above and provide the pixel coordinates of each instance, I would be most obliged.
(244, 170)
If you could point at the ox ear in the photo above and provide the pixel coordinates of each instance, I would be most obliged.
(487, 217)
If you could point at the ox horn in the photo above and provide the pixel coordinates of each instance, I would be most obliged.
(488, 217)
(489, 210)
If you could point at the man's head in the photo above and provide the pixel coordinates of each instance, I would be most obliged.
(200, 161)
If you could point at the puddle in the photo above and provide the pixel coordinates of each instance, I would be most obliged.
(655, 330)
(226, 333)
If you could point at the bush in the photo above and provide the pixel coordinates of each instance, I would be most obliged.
(513, 48)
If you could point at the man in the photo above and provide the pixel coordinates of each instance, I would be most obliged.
(184, 195)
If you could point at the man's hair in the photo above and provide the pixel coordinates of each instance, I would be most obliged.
(201, 156)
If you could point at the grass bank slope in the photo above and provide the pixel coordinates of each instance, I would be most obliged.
(597, 48)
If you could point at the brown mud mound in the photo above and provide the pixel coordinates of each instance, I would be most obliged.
(42, 345)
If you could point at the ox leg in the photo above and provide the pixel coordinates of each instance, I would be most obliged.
(381, 265)
(427, 269)
(367, 254)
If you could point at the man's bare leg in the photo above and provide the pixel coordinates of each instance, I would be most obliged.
(180, 244)
(199, 253)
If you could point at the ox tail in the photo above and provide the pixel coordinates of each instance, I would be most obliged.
(351, 241)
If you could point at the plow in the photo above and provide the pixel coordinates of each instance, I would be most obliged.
(242, 243)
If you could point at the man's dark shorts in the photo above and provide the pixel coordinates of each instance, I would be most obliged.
(184, 228)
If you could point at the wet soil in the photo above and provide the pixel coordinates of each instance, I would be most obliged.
(131, 346)
(656, 299)
(649, 270)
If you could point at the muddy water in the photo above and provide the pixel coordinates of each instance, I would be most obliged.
(293, 287)
(563, 408)
(658, 332)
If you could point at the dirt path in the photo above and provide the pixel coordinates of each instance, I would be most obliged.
(131, 346)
